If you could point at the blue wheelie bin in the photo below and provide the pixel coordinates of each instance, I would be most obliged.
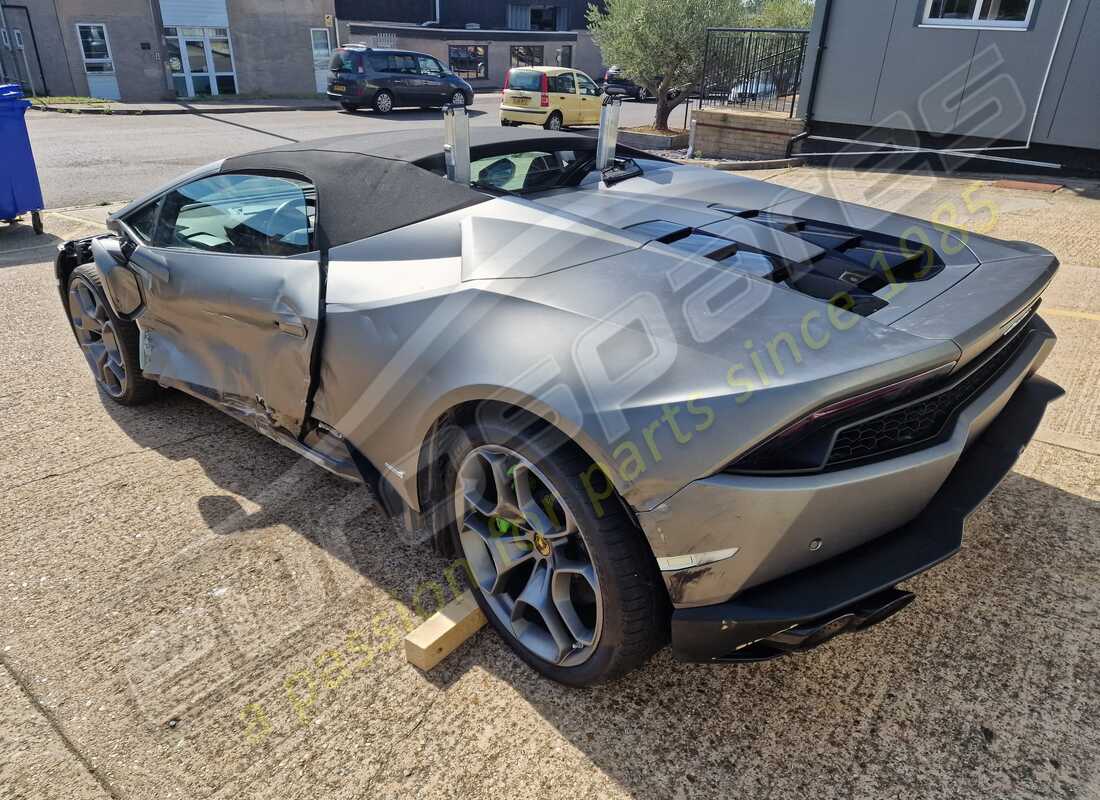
(19, 190)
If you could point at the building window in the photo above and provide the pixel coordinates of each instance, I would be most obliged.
(537, 18)
(979, 13)
(524, 55)
(469, 61)
(96, 50)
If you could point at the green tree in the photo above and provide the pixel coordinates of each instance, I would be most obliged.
(660, 43)
(781, 13)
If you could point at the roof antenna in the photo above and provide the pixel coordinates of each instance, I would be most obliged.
(456, 142)
(609, 128)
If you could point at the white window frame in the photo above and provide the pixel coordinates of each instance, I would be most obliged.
(976, 22)
(110, 59)
(328, 38)
(18, 36)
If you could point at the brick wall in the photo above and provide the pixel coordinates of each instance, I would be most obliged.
(743, 135)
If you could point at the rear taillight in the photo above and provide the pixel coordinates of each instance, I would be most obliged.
(803, 444)
(544, 87)
(507, 75)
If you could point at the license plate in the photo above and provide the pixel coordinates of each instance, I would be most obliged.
(520, 100)
(337, 87)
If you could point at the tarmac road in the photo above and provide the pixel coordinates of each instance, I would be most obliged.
(188, 610)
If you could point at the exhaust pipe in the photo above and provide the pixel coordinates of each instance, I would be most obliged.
(456, 142)
(608, 137)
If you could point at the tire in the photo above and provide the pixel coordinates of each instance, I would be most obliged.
(628, 609)
(351, 108)
(643, 94)
(553, 122)
(383, 102)
(458, 98)
(110, 344)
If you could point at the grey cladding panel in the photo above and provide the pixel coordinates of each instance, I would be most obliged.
(924, 75)
(1077, 116)
(858, 36)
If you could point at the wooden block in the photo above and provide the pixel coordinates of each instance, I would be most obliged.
(441, 633)
(1027, 186)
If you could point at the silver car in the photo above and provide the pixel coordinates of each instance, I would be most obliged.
(644, 403)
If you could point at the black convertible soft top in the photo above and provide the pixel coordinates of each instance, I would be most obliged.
(372, 183)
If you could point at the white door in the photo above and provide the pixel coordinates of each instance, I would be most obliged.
(322, 54)
(99, 66)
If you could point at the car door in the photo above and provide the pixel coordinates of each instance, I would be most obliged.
(589, 99)
(565, 98)
(406, 81)
(436, 89)
(231, 285)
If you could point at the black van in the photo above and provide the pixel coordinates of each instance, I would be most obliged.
(385, 79)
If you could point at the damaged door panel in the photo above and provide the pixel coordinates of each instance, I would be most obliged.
(232, 293)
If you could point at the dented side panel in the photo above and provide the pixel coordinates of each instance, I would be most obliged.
(240, 327)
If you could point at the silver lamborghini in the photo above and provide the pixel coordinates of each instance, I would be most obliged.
(645, 402)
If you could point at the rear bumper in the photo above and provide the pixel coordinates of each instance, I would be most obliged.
(844, 590)
(722, 535)
(354, 94)
(530, 116)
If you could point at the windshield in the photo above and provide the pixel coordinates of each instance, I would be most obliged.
(531, 171)
(525, 80)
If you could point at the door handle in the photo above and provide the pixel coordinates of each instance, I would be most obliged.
(291, 325)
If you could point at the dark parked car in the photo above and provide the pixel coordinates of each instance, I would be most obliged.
(386, 79)
(615, 78)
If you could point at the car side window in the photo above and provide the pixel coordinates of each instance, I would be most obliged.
(239, 214)
(564, 84)
(429, 66)
(404, 65)
(587, 86)
(142, 221)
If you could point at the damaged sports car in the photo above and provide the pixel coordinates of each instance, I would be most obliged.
(645, 402)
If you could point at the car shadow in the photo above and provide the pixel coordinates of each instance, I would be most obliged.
(407, 114)
(944, 684)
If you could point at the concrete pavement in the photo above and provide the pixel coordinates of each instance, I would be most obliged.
(188, 610)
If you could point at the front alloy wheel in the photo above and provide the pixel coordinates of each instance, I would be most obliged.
(95, 331)
(528, 555)
(109, 343)
(458, 99)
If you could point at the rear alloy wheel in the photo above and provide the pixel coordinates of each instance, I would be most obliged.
(110, 344)
(383, 102)
(643, 94)
(553, 122)
(573, 589)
